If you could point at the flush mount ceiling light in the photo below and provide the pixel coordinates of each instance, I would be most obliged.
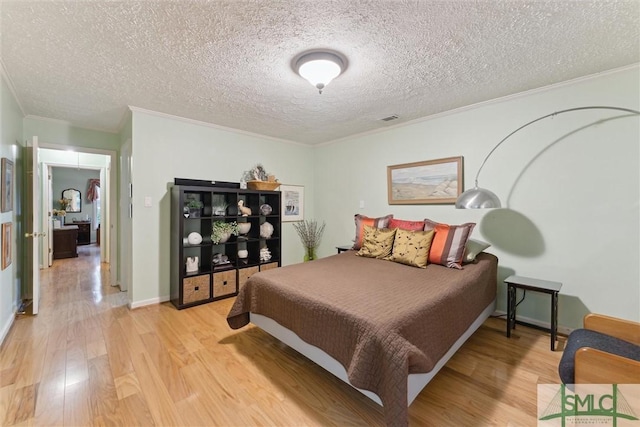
(319, 67)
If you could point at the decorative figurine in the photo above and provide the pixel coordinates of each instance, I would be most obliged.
(265, 209)
(266, 230)
(243, 209)
(192, 264)
(265, 255)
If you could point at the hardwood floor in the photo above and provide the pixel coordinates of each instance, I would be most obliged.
(88, 360)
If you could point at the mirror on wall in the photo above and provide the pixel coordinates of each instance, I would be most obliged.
(74, 198)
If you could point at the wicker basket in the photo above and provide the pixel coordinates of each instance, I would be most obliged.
(262, 185)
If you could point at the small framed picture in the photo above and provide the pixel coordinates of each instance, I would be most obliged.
(6, 245)
(428, 182)
(292, 199)
(6, 202)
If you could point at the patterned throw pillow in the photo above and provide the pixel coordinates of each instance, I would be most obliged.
(377, 242)
(362, 220)
(449, 242)
(412, 247)
(406, 225)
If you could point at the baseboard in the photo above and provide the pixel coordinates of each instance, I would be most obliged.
(151, 301)
(564, 330)
(7, 327)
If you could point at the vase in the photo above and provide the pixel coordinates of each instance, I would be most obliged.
(310, 254)
(244, 227)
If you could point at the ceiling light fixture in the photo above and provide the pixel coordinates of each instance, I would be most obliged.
(319, 67)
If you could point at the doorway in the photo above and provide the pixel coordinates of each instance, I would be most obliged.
(77, 169)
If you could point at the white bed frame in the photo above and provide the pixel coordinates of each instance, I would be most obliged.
(415, 382)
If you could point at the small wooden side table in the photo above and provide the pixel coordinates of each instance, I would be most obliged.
(344, 248)
(536, 285)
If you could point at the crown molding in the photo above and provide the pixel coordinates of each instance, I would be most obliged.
(486, 103)
(214, 126)
(68, 123)
(12, 89)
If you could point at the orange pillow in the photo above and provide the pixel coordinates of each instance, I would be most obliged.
(361, 221)
(449, 243)
(403, 224)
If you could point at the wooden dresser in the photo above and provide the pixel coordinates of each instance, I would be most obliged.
(84, 232)
(65, 242)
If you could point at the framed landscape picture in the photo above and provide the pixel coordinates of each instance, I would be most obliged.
(292, 197)
(6, 245)
(427, 182)
(6, 201)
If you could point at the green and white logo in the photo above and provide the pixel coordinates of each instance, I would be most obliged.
(588, 404)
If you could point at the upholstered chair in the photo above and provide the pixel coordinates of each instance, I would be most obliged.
(606, 351)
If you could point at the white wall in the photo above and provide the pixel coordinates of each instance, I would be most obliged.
(10, 148)
(165, 148)
(571, 188)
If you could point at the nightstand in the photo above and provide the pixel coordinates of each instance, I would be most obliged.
(536, 285)
(344, 248)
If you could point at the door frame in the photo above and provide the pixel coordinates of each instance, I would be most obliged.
(109, 234)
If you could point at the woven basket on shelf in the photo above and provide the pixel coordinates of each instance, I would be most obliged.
(262, 185)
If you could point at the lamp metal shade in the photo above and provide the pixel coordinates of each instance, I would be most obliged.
(478, 198)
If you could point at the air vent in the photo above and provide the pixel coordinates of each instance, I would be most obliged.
(390, 118)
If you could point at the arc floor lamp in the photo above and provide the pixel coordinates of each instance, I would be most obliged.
(481, 198)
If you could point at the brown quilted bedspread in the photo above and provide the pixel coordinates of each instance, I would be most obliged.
(380, 319)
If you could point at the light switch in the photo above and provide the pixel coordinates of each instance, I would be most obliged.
(147, 201)
(361, 204)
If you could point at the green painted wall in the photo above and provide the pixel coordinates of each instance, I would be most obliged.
(10, 148)
(58, 132)
(571, 187)
(165, 148)
(63, 178)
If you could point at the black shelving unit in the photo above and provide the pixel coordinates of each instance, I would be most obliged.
(214, 281)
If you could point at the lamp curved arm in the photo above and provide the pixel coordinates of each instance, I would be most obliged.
(627, 110)
(478, 198)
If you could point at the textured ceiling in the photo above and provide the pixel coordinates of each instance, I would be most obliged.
(228, 62)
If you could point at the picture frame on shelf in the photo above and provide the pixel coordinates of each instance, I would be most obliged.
(6, 200)
(292, 202)
(437, 181)
(6, 244)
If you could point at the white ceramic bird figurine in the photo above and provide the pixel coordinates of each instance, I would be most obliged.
(242, 208)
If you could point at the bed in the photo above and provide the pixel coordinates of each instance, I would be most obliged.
(383, 327)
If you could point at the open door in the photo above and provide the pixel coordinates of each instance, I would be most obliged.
(32, 234)
(48, 252)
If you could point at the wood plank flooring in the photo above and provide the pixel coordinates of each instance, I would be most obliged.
(88, 360)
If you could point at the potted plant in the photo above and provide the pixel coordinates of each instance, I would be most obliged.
(194, 207)
(310, 235)
(221, 231)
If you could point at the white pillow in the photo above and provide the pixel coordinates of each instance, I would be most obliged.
(473, 248)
